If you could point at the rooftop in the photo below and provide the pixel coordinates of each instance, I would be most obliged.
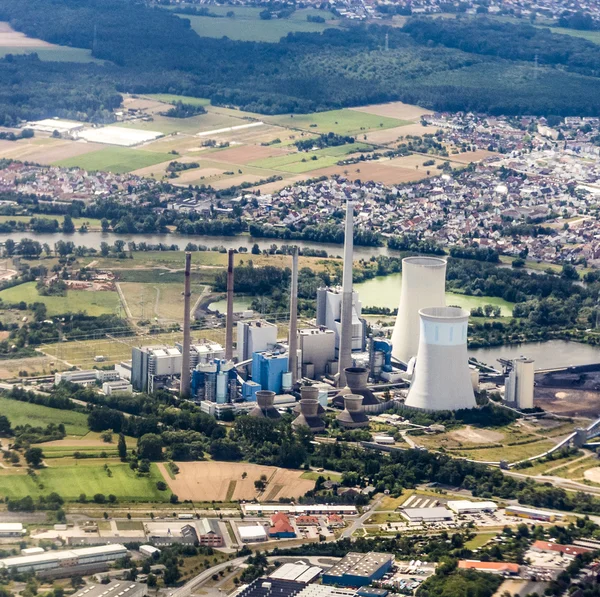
(360, 564)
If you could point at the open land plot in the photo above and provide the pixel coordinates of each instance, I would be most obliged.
(510, 453)
(41, 365)
(170, 98)
(480, 540)
(160, 170)
(89, 440)
(45, 151)
(570, 402)
(249, 153)
(93, 303)
(248, 26)
(206, 481)
(89, 222)
(225, 183)
(273, 187)
(387, 136)
(377, 171)
(394, 110)
(593, 36)
(23, 413)
(195, 124)
(342, 122)
(472, 156)
(115, 159)
(71, 481)
(415, 161)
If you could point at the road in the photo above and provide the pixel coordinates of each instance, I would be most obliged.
(187, 589)
(566, 484)
(357, 523)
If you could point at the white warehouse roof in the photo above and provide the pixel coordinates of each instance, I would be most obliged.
(298, 572)
(460, 506)
(55, 556)
(11, 527)
(256, 531)
(427, 514)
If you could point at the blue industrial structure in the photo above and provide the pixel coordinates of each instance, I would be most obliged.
(249, 389)
(215, 381)
(268, 369)
(359, 569)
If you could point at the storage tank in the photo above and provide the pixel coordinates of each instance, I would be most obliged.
(286, 381)
(423, 285)
(442, 379)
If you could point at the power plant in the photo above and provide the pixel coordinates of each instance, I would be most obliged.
(442, 379)
(423, 285)
(264, 406)
(309, 410)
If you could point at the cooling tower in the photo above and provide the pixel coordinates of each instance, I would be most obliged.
(308, 393)
(442, 379)
(423, 285)
(264, 408)
(356, 383)
(309, 416)
(353, 416)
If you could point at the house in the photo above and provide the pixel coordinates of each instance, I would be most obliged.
(335, 521)
(281, 527)
(307, 521)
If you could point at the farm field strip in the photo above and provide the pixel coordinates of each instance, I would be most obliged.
(115, 159)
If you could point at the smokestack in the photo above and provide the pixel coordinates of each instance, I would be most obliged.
(229, 319)
(293, 337)
(345, 347)
(184, 387)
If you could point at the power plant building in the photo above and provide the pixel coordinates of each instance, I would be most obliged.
(423, 285)
(152, 365)
(268, 369)
(329, 314)
(254, 336)
(518, 388)
(442, 379)
(318, 349)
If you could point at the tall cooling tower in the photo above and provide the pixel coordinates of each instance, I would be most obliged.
(423, 285)
(442, 380)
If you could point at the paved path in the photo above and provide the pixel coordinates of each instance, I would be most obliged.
(357, 523)
(123, 301)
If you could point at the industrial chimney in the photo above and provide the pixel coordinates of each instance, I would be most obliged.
(442, 379)
(293, 336)
(345, 349)
(229, 319)
(184, 384)
(423, 285)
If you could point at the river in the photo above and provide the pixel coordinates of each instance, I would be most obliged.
(547, 355)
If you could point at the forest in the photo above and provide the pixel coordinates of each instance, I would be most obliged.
(442, 65)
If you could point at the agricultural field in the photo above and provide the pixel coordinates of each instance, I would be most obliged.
(93, 303)
(115, 159)
(223, 482)
(246, 24)
(23, 413)
(70, 478)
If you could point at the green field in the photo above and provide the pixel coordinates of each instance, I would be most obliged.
(115, 159)
(342, 122)
(52, 54)
(93, 303)
(71, 481)
(246, 25)
(169, 98)
(22, 413)
(593, 36)
(90, 222)
(480, 540)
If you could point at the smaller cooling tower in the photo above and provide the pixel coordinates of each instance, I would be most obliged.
(264, 406)
(423, 285)
(356, 383)
(308, 417)
(308, 393)
(353, 416)
(442, 379)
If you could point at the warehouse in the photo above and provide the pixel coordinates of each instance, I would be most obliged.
(11, 529)
(299, 572)
(65, 560)
(435, 514)
(468, 507)
(252, 533)
(209, 533)
(260, 509)
(116, 588)
(358, 569)
(532, 513)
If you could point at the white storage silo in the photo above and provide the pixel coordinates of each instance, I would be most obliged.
(423, 285)
(442, 378)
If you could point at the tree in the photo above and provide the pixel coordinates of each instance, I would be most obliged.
(5, 428)
(255, 249)
(34, 457)
(68, 226)
(122, 447)
(107, 437)
(105, 225)
(150, 446)
(174, 498)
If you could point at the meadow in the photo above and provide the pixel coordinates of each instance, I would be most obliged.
(246, 24)
(91, 223)
(23, 413)
(84, 476)
(93, 303)
(115, 159)
(51, 54)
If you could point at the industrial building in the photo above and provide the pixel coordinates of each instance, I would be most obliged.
(299, 572)
(117, 387)
(423, 285)
(254, 336)
(65, 562)
(358, 569)
(329, 315)
(185, 535)
(12, 529)
(269, 371)
(264, 408)
(468, 507)
(209, 533)
(281, 527)
(254, 533)
(268, 509)
(532, 513)
(518, 389)
(427, 515)
(214, 381)
(442, 379)
(309, 411)
(356, 384)
(567, 550)
(263, 587)
(152, 366)
(87, 377)
(116, 588)
(506, 568)
(317, 346)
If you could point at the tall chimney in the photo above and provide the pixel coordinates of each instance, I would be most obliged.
(345, 347)
(229, 320)
(293, 337)
(184, 387)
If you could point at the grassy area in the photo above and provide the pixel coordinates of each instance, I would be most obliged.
(170, 98)
(247, 25)
(509, 453)
(115, 159)
(71, 481)
(89, 222)
(479, 540)
(93, 303)
(130, 525)
(385, 517)
(390, 503)
(593, 36)
(314, 475)
(22, 413)
(52, 54)
(342, 122)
